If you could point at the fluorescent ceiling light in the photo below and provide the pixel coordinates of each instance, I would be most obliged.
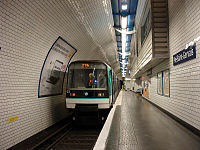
(124, 26)
(124, 54)
(126, 32)
(124, 21)
(123, 45)
(128, 79)
(124, 7)
(124, 63)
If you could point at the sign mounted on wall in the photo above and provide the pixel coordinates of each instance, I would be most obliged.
(185, 55)
(159, 83)
(54, 68)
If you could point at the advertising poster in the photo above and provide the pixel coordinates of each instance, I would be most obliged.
(160, 83)
(146, 89)
(54, 68)
(166, 82)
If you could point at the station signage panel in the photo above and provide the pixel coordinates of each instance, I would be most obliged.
(54, 68)
(185, 55)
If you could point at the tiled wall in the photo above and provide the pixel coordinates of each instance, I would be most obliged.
(145, 49)
(184, 100)
(28, 28)
(24, 41)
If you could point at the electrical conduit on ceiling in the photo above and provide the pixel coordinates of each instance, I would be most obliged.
(124, 12)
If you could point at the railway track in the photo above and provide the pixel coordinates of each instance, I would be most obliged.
(72, 136)
(78, 139)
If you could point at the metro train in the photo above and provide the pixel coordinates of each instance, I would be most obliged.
(91, 83)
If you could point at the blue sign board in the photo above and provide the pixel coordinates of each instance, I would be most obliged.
(185, 55)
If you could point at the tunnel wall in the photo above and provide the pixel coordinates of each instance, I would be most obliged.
(28, 28)
(184, 100)
(27, 31)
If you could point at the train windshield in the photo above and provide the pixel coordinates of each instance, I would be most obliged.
(87, 76)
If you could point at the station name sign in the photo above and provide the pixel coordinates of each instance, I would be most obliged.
(185, 55)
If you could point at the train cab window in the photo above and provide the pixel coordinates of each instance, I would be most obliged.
(87, 76)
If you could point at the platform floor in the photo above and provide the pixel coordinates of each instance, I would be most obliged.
(138, 125)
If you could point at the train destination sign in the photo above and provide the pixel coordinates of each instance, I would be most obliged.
(85, 65)
(185, 55)
(54, 67)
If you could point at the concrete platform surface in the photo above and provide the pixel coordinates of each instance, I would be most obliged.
(138, 125)
(103, 136)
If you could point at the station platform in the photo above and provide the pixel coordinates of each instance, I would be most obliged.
(135, 124)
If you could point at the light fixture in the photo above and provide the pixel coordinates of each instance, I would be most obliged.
(123, 45)
(123, 63)
(126, 53)
(128, 79)
(124, 6)
(124, 21)
(99, 94)
(125, 14)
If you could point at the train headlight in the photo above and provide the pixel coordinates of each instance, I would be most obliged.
(86, 93)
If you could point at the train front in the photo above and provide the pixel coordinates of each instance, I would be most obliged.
(87, 84)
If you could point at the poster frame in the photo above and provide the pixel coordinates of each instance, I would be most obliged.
(39, 96)
(163, 94)
(158, 83)
(169, 83)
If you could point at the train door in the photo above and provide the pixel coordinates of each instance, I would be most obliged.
(110, 85)
(113, 88)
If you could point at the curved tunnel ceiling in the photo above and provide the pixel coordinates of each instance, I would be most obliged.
(94, 34)
(85, 24)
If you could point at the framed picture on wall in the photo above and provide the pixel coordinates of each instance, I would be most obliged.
(54, 68)
(159, 83)
(166, 83)
(163, 83)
